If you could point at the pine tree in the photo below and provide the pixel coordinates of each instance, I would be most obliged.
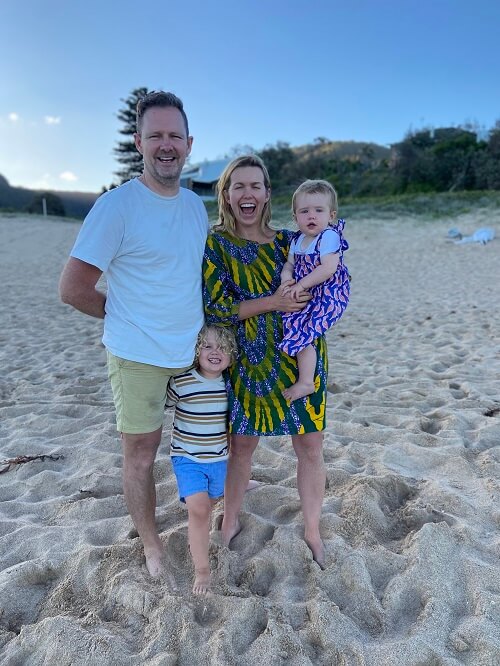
(126, 152)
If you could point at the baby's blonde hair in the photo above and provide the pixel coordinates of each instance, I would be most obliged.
(224, 337)
(316, 187)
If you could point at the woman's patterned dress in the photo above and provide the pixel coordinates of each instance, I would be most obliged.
(236, 270)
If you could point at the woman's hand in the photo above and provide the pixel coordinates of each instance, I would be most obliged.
(285, 302)
(285, 286)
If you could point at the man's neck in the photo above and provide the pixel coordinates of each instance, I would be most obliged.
(160, 188)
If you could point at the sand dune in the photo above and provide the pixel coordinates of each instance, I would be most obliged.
(411, 516)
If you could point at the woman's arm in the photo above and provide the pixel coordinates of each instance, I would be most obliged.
(277, 302)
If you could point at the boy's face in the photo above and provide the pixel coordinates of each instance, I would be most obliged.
(313, 213)
(212, 359)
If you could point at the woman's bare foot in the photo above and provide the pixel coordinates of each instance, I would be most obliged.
(298, 390)
(153, 562)
(229, 532)
(318, 550)
(201, 581)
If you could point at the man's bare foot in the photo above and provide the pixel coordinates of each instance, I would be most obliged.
(201, 581)
(298, 390)
(228, 533)
(318, 551)
(252, 484)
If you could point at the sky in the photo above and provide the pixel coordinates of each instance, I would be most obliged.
(249, 74)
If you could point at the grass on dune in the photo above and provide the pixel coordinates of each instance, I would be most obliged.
(428, 206)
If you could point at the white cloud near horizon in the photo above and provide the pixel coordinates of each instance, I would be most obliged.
(68, 176)
(52, 120)
(13, 117)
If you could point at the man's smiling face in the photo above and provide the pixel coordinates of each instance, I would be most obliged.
(164, 146)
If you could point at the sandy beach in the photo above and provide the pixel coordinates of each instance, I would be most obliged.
(411, 517)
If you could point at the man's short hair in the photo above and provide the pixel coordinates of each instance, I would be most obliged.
(159, 98)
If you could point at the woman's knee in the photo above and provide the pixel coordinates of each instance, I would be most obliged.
(242, 447)
(309, 447)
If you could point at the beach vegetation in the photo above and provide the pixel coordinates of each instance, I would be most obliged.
(129, 159)
(46, 203)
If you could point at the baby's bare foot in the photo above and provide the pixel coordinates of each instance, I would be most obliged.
(298, 390)
(201, 584)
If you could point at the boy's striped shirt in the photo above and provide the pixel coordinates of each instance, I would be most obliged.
(200, 420)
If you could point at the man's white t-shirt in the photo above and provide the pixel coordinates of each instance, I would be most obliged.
(150, 249)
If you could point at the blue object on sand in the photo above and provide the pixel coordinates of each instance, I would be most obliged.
(483, 236)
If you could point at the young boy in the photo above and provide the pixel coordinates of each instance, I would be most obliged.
(199, 446)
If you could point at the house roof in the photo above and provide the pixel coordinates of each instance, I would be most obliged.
(205, 172)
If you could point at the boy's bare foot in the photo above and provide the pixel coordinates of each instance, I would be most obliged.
(298, 390)
(201, 581)
(228, 533)
(252, 484)
(318, 551)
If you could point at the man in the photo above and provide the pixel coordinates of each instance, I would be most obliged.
(147, 236)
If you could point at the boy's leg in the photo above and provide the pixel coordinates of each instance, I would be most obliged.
(306, 363)
(199, 508)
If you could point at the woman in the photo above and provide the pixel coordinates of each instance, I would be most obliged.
(242, 265)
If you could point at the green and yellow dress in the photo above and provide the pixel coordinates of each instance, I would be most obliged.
(236, 270)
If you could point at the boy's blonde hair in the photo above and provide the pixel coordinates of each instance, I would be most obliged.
(224, 337)
(316, 187)
(227, 221)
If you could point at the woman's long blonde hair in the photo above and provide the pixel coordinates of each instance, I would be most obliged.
(227, 220)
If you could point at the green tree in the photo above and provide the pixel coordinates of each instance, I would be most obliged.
(53, 204)
(125, 151)
(281, 162)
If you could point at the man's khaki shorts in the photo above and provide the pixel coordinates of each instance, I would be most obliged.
(139, 393)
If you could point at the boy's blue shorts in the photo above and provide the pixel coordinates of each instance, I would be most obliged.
(197, 477)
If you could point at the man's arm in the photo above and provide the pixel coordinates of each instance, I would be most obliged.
(77, 287)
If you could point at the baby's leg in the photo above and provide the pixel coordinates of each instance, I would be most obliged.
(306, 362)
(199, 511)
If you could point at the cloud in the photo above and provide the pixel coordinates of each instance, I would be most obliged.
(68, 176)
(13, 117)
(52, 120)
